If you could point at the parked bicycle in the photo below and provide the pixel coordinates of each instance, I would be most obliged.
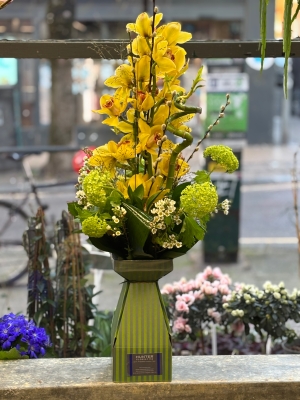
(14, 221)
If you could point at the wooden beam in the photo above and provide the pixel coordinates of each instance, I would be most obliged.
(116, 49)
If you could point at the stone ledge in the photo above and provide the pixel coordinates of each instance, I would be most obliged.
(208, 378)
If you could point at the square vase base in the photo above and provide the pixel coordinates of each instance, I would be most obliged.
(142, 350)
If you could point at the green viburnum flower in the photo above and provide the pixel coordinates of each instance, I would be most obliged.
(93, 186)
(224, 156)
(94, 227)
(198, 200)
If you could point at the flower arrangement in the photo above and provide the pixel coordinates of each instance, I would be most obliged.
(135, 196)
(20, 338)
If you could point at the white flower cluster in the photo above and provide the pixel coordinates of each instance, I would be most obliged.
(82, 200)
(225, 205)
(165, 208)
(237, 313)
(84, 170)
(119, 214)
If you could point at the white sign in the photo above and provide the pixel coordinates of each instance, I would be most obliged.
(227, 82)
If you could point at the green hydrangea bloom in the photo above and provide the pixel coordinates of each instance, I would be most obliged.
(224, 156)
(93, 185)
(94, 227)
(198, 200)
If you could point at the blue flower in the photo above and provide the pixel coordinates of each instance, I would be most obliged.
(25, 336)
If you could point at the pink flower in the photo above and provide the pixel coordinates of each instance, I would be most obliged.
(223, 289)
(187, 328)
(179, 325)
(198, 295)
(217, 273)
(167, 289)
(188, 298)
(181, 306)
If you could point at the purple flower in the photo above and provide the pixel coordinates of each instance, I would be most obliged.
(25, 336)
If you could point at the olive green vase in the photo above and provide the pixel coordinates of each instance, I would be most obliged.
(141, 340)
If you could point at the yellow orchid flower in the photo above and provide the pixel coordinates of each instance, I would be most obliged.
(140, 47)
(143, 24)
(161, 115)
(142, 71)
(149, 136)
(104, 156)
(127, 127)
(181, 168)
(143, 102)
(113, 106)
(172, 33)
(123, 78)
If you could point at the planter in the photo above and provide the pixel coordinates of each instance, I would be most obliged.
(292, 348)
(141, 340)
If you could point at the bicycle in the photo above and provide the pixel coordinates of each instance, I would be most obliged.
(14, 218)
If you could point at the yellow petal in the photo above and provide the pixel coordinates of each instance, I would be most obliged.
(135, 181)
(147, 103)
(113, 82)
(112, 121)
(165, 64)
(184, 37)
(131, 27)
(144, 127)
(143, 25)
(161, 115)
(161, 47)
(121, 186)
(124, 127)
(179, 58)
(130, 115)
(143, 69)
(158, 18)
(171, 32)
(140, 46)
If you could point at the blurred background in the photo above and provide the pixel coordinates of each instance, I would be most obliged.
(49, 103)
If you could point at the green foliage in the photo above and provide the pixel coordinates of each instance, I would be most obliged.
(191, 232)
(101, 343)
(12, 354)
(202, 177)
(138, 224)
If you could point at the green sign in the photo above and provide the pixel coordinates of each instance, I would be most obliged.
(236, 114)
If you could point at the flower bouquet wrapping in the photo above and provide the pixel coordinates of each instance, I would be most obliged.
(136, 196)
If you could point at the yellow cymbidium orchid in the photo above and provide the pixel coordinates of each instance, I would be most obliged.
(113, 106)
(149, 136)
(173, 34)
(143, 102)
(108, 154)
(143, 24)
(123, 78)
(104, 156)
(127, 127)
(181, 168)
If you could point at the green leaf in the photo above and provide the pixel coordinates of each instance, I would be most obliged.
(174, 253)
(191, 232)
(12, 354)
(151, 199)
(138, 224)
(202, 177)
(72, 208)
(106, 352)
(139, 192)
(177, 191)
(115, 198)
(114, 245)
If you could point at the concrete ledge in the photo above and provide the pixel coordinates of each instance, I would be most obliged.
(207, 378)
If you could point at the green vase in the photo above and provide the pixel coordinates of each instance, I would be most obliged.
(141, 340)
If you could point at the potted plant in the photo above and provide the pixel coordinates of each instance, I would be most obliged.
(193, 305)
(136, 198)
(267, 310)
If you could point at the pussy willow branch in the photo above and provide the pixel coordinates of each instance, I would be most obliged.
(210, 127)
